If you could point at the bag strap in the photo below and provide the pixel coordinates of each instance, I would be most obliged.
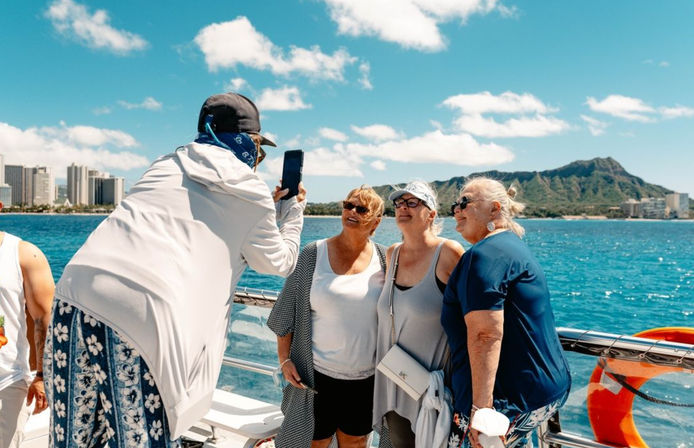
(390, 299)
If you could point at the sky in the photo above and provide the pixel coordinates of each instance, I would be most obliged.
(374, 91)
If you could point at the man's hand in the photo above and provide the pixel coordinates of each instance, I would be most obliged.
(302, 193)
(36, 391)
(279, 193)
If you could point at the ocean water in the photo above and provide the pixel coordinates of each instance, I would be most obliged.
(612, 276)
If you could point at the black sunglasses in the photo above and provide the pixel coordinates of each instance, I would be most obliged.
(410, 203)
(350, 206)
(461, 204)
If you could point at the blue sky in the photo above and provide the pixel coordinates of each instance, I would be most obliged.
(375, 91)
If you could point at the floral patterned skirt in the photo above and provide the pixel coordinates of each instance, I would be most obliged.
(519, 433)
(100, 391)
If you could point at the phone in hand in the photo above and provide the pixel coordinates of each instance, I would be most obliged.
(291, 171)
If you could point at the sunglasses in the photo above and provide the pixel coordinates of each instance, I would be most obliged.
(410, 203)
(460, 205)
(351, 206)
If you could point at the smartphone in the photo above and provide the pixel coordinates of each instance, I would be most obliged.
(291, 171)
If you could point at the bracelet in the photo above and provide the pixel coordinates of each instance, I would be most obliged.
(39, 375)
(284, 362)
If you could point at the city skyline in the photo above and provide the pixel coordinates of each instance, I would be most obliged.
(375, 92)
(36, 186)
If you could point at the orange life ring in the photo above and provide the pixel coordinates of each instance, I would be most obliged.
(609, 410)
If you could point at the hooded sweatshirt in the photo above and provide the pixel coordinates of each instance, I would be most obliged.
(161, 270)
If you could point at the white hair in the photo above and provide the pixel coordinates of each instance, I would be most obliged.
(494, 191)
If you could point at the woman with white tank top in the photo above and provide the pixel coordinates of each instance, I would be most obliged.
(425, 261)
(325, 321)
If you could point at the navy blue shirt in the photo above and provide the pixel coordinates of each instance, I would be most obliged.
(500, 273)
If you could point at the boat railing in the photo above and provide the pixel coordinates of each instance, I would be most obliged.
(587, 342)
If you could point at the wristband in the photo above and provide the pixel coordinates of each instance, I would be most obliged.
(284, 362)
(39, 375)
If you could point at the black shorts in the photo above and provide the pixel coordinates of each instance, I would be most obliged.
(346, 405)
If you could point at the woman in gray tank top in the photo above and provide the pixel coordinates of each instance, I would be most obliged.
(425, 262)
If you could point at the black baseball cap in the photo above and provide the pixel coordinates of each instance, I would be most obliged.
(232, 112)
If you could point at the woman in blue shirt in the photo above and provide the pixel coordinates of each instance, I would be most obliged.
(505, 350)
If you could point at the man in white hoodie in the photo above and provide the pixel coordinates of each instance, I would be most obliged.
(139, 326)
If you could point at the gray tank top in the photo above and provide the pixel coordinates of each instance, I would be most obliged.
(418, 331)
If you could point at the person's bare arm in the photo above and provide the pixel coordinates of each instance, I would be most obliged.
(485, 329)
(448, 259)
(288, 368)
(38, 292)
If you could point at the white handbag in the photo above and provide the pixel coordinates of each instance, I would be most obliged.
(397, 364)
(405, 371)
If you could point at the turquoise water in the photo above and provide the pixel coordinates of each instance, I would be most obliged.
(612, 276)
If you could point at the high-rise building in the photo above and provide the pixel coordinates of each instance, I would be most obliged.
(78, 184)
(6, 195)
(677, 205)
(95, 186)
(15, 177)
(28, 192)
(113, 190)
(631, 208)
(653, 208)
(105, 189)
(5, 190)
(43, 186)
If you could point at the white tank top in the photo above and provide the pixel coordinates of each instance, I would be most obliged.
(343, 311)
(14, 356)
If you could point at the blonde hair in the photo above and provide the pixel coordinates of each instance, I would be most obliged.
(369, 199)
(494, 191)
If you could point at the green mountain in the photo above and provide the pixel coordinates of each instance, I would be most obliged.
(593, 187)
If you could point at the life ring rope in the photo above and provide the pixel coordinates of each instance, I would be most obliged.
(621, 380)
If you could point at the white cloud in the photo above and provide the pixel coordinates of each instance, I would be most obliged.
(58, 147)
(88, 136)
(537, 126)
(452, 149)
(284, 98)
(293, 142)
(409, 23)
(635, 109)
(628, 108)
(676, 112)
(93, 30)
(365, 71)
(377, 132)
(346, 160)
(532, 120)
(235, 84)
(148, 103)
(378, 165)
(508, 12)
(663, 64)
(506, 103)
(332, 134)
(236, 42)
(105, 110)
(595, 126)
(322, 162)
